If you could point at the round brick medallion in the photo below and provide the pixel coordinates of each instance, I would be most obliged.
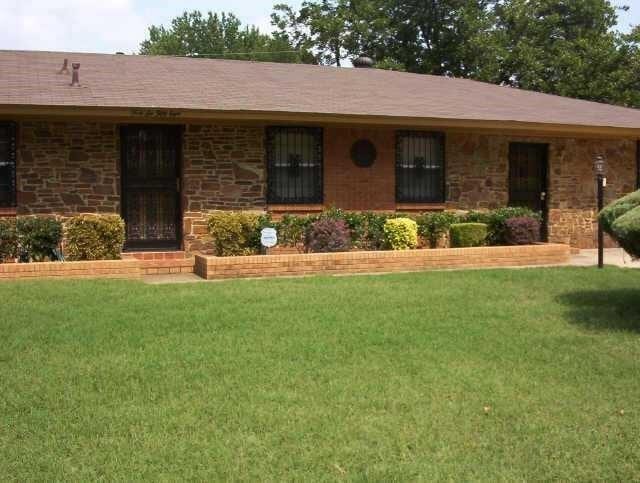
(363, 153)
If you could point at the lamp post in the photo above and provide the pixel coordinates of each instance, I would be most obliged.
(599, 168)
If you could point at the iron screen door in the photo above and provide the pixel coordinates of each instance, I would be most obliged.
(528, 165)
(151, 186)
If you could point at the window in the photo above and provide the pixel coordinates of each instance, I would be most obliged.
(294, 165)
(7, 164)
(419, 167)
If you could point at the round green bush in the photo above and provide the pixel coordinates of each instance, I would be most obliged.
(38, 238)
(94, 237)
(620, 220)
(468, 234)
(401, 233)
(626, 230)
(236, 232)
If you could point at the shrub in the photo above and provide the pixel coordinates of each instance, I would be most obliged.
(38, 238)
(94, 237)
(236, 233)
(468, 234)
(328, 235)
(615, 210)
(621, 220)
(522, 230)
(367, 229)
(432, 226)
(8, 239)
(496, 219)
(291, 230)
(626, 230)
(401, 233)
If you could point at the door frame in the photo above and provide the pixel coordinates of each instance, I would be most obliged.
(153, 245)
(545, 183)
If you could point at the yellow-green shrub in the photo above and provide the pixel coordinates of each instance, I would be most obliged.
(401, 233)
(468, 234)
(94, 237)
(236, 232)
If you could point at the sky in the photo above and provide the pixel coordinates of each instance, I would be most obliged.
(120, 25)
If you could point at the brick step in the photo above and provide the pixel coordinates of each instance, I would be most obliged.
(168, 255)
(163, 267)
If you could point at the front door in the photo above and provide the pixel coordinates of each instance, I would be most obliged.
(151, 186)
(528, 177)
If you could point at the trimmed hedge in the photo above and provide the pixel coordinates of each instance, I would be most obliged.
(327, 235)
(94, 237)
(522, 230)
(401, 233)
(621, 220)
(468, 234)
(626, 230)
(38, 238)
(8, 239)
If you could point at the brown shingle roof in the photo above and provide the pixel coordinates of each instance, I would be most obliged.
(31, 78)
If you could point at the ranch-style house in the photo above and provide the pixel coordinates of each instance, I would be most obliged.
(163, 141)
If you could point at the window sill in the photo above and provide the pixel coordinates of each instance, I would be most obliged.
(420, 206)
(295, 208)
(8, 211)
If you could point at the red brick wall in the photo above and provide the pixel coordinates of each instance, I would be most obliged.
(351, 187)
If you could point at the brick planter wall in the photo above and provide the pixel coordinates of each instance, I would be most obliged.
(210, 267)
(94, 269)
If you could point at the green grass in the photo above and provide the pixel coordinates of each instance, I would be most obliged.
(357, 378)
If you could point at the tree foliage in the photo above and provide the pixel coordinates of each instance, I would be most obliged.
(564, 47)
(219, 35)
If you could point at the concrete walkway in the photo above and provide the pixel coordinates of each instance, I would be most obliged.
(612, 256)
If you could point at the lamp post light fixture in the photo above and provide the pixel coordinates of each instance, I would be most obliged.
(599, 166)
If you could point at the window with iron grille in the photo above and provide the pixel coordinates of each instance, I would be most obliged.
(7, 164)
(294, 165)
(419, 167)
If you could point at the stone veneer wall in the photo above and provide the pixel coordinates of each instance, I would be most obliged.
(223, 169)
(478, 169)
(68, 167)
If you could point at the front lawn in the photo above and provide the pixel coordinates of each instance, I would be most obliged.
(480, 375)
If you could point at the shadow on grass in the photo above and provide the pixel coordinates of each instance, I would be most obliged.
(604, 310)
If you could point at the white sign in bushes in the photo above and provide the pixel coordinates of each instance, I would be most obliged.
(268, 237)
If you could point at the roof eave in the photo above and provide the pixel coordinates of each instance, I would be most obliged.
(181, 116)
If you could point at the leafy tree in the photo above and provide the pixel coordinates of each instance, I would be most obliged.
(452, 37)
(212, 35)
(564, 47)
(439, 37)
(322, 25)
(568, 47)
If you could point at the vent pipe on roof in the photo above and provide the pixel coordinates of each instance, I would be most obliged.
(75, 78)
(65, 67)
(363, 62)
